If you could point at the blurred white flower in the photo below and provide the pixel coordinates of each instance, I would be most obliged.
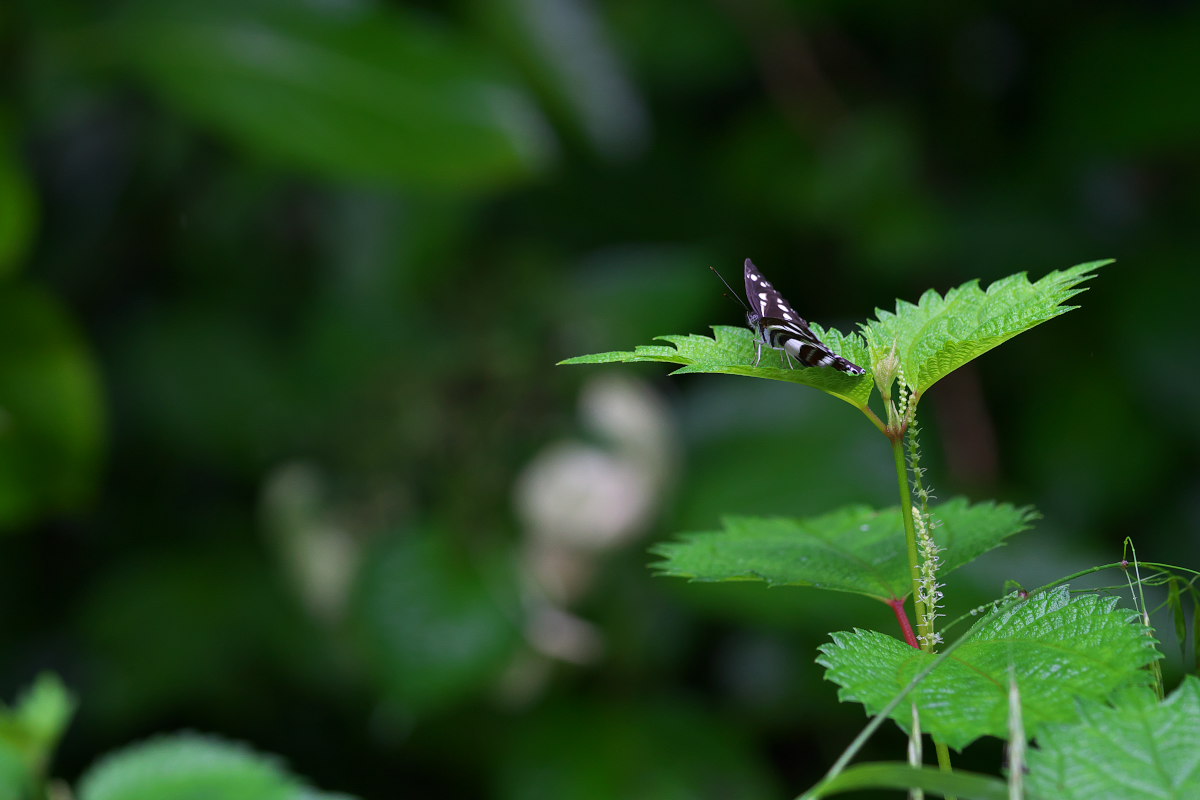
(580, 495)
(320, 558)
(597, 497)
(577, 501)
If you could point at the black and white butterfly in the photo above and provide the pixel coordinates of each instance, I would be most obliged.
(777, 325)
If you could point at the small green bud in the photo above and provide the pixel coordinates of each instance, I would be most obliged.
(886, 370)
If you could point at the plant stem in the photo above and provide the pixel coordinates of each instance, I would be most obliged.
(943, 757)
(914, 565)
(910, 534)
(897, 605)
(875, 420)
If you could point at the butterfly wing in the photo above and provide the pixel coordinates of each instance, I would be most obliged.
(778, 326)
(766, 303)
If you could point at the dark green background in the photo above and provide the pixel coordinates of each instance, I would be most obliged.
(274, 270)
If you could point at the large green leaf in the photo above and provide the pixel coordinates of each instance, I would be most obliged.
(1135, 748)
(940, 334)
(1057, 649)
(731, 351)
(854, 549)
(365, 93)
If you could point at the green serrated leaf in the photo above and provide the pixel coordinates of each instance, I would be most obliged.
(855, 549)
(883, 775)
(1136, 748)
(940, 334)
(933, 338)
(1059, 648)
(731, 351)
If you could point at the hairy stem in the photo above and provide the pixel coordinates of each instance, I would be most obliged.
(925, 568)
(910, 532)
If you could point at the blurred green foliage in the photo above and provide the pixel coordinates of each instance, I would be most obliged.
(190, 765)
(29, 732)
(245, 241)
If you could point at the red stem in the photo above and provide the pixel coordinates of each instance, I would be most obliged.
(897, 605)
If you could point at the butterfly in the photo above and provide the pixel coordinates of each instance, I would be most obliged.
(777, 325)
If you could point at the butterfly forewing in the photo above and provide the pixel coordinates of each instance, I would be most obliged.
(777, 325)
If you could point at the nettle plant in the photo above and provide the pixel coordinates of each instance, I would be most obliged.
(1072, 672)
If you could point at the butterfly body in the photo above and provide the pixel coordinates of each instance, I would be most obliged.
(777, 325)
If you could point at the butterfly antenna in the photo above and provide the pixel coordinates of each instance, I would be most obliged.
(731, 292)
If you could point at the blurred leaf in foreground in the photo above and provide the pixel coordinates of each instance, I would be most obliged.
(194, 766)
(30, 731)
(889, 775)
(1137, 747)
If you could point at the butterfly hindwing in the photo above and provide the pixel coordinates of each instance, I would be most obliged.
(777, 325)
